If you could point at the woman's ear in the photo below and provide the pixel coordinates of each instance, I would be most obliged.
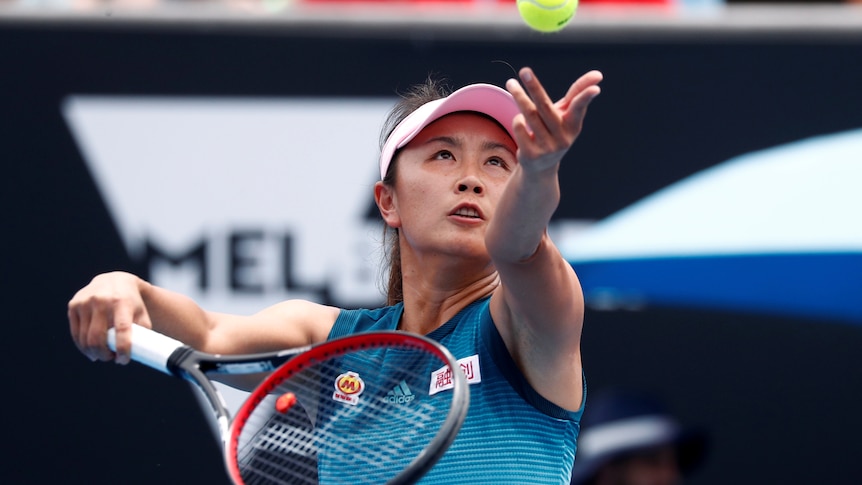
(384, 196)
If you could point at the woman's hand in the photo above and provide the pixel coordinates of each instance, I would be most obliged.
(110, 300)
(544, 131)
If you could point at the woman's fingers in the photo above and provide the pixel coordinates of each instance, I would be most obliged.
(546, 130)
(110, 300)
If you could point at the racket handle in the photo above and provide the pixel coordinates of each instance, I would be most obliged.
(148, 347)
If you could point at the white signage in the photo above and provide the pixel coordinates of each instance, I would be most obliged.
(240, 203)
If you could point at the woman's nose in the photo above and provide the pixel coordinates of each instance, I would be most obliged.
(468, 184)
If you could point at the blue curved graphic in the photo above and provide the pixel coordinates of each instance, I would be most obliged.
(777, 231)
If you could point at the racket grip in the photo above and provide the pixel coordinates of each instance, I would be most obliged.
(148, 347)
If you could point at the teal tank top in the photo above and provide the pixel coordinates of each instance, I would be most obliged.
(512, 435)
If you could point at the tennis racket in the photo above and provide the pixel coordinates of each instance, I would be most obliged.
(375, 407)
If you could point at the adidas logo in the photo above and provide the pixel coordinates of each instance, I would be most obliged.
(401, 394)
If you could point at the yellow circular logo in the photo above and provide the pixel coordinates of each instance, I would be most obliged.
(349, 383)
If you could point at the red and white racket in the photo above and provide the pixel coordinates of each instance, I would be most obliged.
(358, 409)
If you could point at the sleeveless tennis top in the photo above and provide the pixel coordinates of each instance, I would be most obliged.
(512, 435)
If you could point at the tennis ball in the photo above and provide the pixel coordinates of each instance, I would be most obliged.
(547, 15)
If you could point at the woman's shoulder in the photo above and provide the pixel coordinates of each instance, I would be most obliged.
(366, 319)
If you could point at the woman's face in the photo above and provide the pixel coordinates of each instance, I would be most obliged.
(449, 180)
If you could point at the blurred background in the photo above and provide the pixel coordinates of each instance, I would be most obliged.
(227, 149)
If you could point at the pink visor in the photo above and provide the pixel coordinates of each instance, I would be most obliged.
(483, 98)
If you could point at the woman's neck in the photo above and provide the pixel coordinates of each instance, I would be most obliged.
(426, 308)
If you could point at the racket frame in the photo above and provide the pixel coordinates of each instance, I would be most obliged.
(436, 447)
(172, 357)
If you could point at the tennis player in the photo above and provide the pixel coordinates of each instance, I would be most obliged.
(469, 182)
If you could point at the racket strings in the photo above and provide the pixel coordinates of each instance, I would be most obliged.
(365, 431)
(281, 451)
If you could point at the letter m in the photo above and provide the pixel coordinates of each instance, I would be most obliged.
(196, 255)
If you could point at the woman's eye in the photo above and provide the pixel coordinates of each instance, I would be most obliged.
(498, 162)
(445, 154)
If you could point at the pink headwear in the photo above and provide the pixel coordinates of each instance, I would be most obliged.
(483, 98)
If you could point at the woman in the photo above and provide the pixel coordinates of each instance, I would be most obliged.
(469, 184)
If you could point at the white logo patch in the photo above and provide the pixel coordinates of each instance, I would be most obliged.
(441, 379)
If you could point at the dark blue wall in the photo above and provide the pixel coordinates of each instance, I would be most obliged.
(780, 395)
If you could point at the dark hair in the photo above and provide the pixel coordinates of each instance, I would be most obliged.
(410, 101)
